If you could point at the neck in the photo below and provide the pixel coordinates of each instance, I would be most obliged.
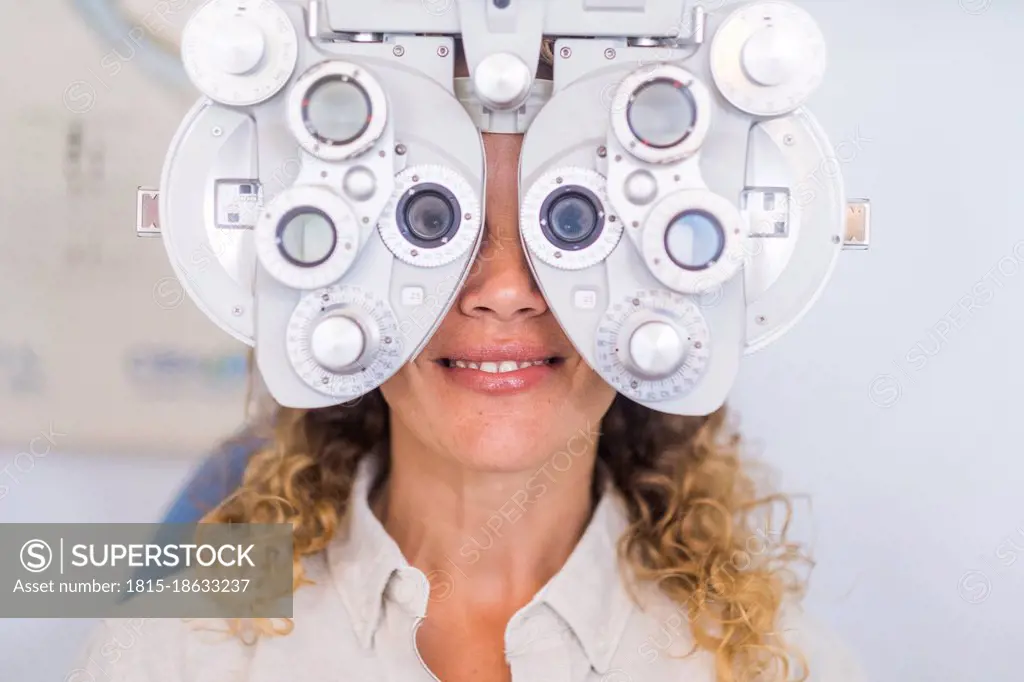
(490, 536)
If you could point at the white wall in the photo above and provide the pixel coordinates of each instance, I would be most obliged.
(895, 411)
(65, 487)
(898, 411)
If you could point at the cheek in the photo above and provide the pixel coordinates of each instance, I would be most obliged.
(400, 393)
(595, 395)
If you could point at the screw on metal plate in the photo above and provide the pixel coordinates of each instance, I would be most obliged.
(858, 224)
(147, 220)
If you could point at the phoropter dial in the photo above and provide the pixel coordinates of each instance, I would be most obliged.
(661, 114)
(343, 341)
(308, 237)
(693, 241)
(767, 58)
(566, 219)
(337, 110)
(433, 217)
(239, 52)
(653, 346)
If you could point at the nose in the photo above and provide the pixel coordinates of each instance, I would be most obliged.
(500, 285)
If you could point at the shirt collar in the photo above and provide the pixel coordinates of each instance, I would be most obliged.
(588, 593)
(363, 557)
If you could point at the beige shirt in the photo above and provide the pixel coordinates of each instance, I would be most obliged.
(359, 621)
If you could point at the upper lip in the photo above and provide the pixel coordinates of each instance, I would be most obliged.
(520, 352)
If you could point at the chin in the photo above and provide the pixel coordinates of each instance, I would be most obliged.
(494, 423)
(512, 444)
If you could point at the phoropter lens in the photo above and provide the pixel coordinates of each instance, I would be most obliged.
(694, 240)
(662, 113)
(572, 217)
(336, 111)
(429, 215)
(306, 237)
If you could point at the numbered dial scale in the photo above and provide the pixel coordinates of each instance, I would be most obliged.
(239, 52)
(653, 345)
(343, 341)
(768, 58)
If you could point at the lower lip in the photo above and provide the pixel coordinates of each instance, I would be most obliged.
(505, 383)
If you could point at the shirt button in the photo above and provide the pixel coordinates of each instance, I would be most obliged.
(408, 588)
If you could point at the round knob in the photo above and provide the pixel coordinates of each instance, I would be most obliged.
(656, 349)
(502, 80)
(360, 183)
(239, 53)
(653, 346)
(337, 342)
(771, 56)
(343, 341)
(239, 46)
(641, 187)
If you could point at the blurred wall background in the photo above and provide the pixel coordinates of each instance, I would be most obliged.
(98, 342)
(112, 383)
(894, 405)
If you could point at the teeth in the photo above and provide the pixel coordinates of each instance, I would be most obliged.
(498, 367)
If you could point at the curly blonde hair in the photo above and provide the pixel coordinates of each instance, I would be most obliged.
(696, 517)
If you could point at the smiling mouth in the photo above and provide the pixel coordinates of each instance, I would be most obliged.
(499, 367)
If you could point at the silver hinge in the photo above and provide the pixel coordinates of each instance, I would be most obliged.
(147, 221)
(858, 224)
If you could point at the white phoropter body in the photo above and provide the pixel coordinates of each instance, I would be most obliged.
(338, 165)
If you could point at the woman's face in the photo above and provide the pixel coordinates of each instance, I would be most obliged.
(463, 397)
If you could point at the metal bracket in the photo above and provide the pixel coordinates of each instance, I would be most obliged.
(858, 224)
(147, 216)
(686, 36)
(316, 32)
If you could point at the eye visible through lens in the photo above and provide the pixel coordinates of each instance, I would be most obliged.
(694, 240)
(662, 113)
(307, 237)
(429, 215)
(572, 218)
(336, 111)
